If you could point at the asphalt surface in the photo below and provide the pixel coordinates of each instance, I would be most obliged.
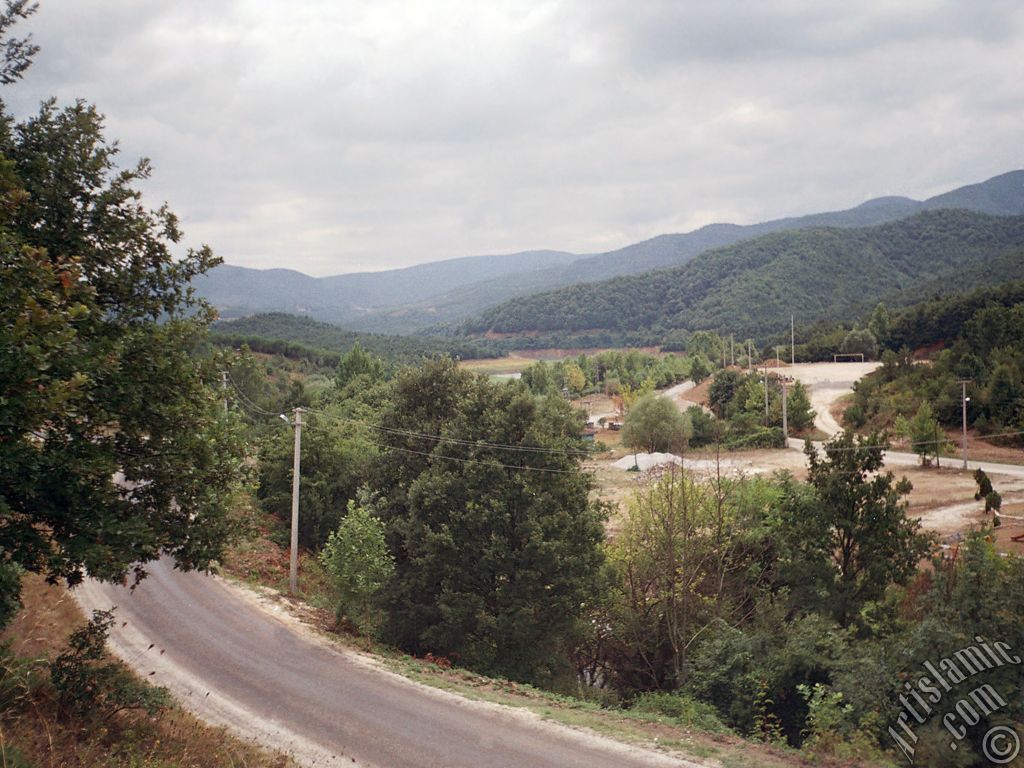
(235, 663)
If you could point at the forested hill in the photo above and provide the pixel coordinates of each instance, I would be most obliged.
(752, 287)
(290, 335)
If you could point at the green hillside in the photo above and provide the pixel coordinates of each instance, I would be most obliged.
(752, 287)
(280, 333)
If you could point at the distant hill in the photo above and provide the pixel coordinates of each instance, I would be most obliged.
(282, 333)
(444, 292)
(240, 291)
(751, 288)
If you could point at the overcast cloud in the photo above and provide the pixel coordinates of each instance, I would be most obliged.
(333, 136)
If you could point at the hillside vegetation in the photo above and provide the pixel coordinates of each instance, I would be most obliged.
(294, 336)
(751, 288)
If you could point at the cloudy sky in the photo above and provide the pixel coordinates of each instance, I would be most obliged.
(333, 136)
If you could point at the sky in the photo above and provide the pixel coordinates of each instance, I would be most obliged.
(332, 136)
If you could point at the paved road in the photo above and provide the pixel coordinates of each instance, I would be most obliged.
(235, 663)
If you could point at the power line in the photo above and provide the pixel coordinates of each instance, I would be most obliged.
(431, 455)
(453, 440)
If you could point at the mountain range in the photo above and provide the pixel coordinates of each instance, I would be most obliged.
(443, 293)
(751, 288)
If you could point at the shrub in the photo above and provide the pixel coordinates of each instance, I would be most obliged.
(683, 709)
(358, 563)
(86, 684)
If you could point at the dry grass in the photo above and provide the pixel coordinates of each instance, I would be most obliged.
(34, 733)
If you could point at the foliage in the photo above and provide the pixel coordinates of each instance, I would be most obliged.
(860, 341)
(748, 288)
(611, 372)
(358, 562)
(683, 709)
(850, 536)
(335, 461)
(984, 343)
(97, 325)
(687, 558)
(295, 336)
(926, 438)
(654, 424)
(88, 685)
(450, 497)
(355, 363)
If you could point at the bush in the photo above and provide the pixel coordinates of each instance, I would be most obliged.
(683, 709)
(763, 437)
(86, 686)
(358, 563)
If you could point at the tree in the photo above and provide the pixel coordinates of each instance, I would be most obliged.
(860, 340)
(497, 550)
(654, 424)
(926, 436)
(18, 52)
(880, 323)
(700, 368)
(114, 449)
(798, 407)
(686, 558)
(851, 533)
(723, 391)
(993, 499)
(355, 363)
(575, 379)
(358, 562)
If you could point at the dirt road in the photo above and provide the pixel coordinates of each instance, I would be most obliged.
(826, 383)
(229, 659)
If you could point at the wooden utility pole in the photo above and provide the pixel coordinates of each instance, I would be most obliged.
(766, 394)
(964, 399)
(293, 563)
(792, 340)
(224, 387)
(785, 423)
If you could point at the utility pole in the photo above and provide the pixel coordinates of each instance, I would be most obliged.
(792, 340)
(964, 400)
(732, 349)
(785, 423)
(750, 357)
(778, 355)
(766, 394)
(293, 563)
(224, 387)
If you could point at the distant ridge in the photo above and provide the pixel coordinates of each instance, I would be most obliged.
(439, 293)
(750, 288)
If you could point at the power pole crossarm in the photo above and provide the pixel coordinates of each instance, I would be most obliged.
(293, 562)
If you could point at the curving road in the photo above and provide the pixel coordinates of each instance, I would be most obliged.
(231, 660)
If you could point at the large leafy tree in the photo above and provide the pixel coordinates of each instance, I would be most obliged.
(113, 448)
(497, 550)
(850, 535)
(655, 424)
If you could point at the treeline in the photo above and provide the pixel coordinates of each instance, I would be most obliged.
(752, 287)
(612, 372)
(985, 346)
(302, 337)
(937, 320)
